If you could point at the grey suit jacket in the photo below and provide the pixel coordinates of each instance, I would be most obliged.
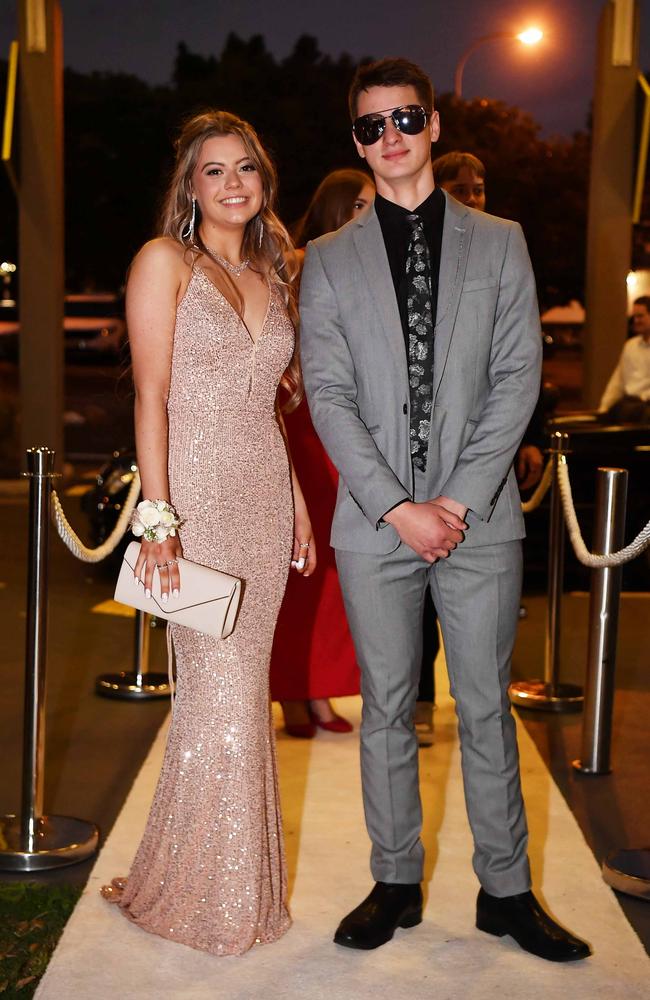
(487, 361)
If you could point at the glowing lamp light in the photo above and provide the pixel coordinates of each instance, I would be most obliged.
(631, 280)
(531, 36)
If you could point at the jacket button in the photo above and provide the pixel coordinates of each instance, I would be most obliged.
(405, 409)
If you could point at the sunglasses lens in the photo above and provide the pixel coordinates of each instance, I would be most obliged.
(368, 129)
(411, 120)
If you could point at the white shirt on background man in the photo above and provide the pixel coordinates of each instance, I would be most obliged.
(631, 377)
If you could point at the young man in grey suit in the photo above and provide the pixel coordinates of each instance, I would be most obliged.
(421, 353)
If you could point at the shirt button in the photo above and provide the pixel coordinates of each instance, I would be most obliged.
(405, 408)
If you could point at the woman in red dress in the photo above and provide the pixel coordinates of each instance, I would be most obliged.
(313, 657)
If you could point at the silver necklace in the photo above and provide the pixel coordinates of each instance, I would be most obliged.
(236, 269)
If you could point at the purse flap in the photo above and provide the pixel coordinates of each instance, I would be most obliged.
(199, 584)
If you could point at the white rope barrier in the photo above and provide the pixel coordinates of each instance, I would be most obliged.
(586, 557)
(542, 489)
(72, 540)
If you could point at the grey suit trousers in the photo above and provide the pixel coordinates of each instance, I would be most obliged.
(476, 592)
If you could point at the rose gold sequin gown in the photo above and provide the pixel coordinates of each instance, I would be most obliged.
(210, 870)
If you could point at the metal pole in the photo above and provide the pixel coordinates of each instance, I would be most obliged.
(559, 445)
(460, 65)
(549, 695)
(138, 684)
(141, 651)
(40, 469)
(609, 536)
(36, 841)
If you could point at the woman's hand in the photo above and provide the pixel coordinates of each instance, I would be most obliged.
(304, 547)
(163, 557)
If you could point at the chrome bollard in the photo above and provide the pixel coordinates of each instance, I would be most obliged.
(609, 536)
(550, 695)
(35, 841)
(138, 684)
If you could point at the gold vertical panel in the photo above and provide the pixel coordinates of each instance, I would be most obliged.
(10, 102)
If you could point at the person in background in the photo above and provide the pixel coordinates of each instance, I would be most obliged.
(626, 398)
(463, 176)
(313, 657)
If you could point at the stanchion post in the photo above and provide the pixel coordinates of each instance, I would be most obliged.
(35, 841)
(609, 537)
(139, 684)
(142, 644)
(559, 446)
(40, 470)
(550, 695)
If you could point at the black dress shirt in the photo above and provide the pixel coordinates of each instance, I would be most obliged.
(397, 233)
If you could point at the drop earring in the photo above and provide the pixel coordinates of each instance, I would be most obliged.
(260, 234)
(189, 232)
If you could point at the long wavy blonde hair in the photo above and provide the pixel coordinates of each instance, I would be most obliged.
(275, 255)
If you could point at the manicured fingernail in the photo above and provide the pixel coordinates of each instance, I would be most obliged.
(294, 563)
(300, 564)
(175, 591)
(164, 596)
(147, 593)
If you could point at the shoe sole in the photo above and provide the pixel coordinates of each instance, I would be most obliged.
(409, 920)
(489, 927)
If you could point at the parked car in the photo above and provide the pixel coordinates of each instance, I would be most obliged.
(93, 328)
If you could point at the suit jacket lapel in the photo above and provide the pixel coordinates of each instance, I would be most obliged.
(369, 242)
(456, 235)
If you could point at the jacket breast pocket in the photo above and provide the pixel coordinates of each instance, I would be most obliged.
(478, 284)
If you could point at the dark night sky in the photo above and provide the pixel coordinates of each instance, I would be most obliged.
(553, 83)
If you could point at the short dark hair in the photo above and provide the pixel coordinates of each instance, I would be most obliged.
(447, 168)
(390, 73)
(643, 300)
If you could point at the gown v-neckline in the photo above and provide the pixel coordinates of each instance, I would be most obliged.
(253, 340)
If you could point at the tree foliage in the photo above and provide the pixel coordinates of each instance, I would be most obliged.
(541, 183)
(119, 133)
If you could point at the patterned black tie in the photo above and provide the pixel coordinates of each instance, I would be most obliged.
(420, 322)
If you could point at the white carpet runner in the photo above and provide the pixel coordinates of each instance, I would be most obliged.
(102, 956)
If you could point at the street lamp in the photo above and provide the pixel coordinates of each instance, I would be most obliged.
(531, 36)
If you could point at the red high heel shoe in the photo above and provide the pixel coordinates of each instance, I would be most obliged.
(336, 725)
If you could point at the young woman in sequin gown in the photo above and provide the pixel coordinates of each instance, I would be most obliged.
(212, 339)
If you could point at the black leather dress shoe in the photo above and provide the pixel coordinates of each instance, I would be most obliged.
(374, 921)
(523, 918)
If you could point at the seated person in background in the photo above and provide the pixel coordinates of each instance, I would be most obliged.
(627, 396)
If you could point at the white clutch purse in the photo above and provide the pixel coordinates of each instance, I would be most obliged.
(208, 600)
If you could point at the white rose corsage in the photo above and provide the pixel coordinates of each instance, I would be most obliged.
(155, 520)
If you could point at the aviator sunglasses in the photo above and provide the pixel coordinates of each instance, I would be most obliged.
(411, 119)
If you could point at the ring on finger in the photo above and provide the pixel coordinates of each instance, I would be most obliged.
(172, 562)
(303, 545)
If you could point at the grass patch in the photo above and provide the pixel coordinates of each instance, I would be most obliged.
(32, 918)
